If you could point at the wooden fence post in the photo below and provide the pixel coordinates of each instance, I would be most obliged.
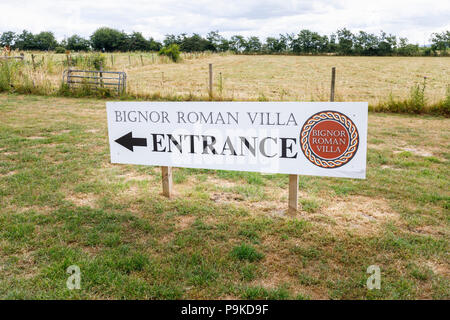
(166, 175)
(220, 83)
(333, 81)
(142, 61)
(101, 74)
(293, 193)
(210, 81)
(34, 64)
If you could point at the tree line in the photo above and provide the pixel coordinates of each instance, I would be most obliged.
(342, 42)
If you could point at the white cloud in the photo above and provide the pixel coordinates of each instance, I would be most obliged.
(413, 19)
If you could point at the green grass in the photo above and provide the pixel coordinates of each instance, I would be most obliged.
(225, 234)
(246, 252)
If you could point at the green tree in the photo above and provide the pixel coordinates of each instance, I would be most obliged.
(25, 41)
(154, 45)
(440, 41)
(215, 40)
(45, 40)
(332, 45)
(387, 44)
(137, 42)
(237, 44)
(224, 45)
(173, 39)
(195, 43)
(276, 45)
(365, 44)
(7, 39)
(309, 42)
(345, 38)
(109, 40)
(407, 49)
(253, 44)
(77, 43)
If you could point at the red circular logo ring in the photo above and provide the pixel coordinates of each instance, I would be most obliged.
(329, 139)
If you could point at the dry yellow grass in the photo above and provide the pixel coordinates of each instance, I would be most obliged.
(288, 78)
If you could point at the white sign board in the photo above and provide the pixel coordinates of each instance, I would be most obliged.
(305, 138)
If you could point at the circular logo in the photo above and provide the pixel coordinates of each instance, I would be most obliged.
(329, 139)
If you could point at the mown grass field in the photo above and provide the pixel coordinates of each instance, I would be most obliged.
(261, 77)
(225, 234)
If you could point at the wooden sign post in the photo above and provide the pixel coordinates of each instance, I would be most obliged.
(166, 175)
(293, 178)
(293, 193)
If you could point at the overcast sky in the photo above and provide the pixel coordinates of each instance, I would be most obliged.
(413, 19)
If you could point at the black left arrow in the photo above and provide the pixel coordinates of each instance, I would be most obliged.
(129, 142)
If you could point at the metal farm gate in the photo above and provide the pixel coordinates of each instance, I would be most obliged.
(96, 79)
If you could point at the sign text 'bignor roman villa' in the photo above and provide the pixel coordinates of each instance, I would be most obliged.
(306, 138)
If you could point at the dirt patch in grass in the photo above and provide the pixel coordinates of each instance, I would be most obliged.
(360, 215)
(432, 230)
(275, 209)
(133, 190)
(93, 131)
(167, 238)
(221, 182)
(184, 222)
(10, 173)
(25, 267)
(82, 199)
(225, 197)
(11, 153)
(181, 223)
(91, 251)
(439, 268)
(416, 151)
(385, 166)
(376, 146)
(228, 297)
(134, 176)
(271, 208)
(40, 209)
(60, 132)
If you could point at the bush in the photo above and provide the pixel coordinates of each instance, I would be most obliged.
(14, 78)
(60, 50)
(416, 103)
(90, 61)
(443, 106)
(172, 51)
(97, 60)
(446, 102)
(417, 98)
(7, 72)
